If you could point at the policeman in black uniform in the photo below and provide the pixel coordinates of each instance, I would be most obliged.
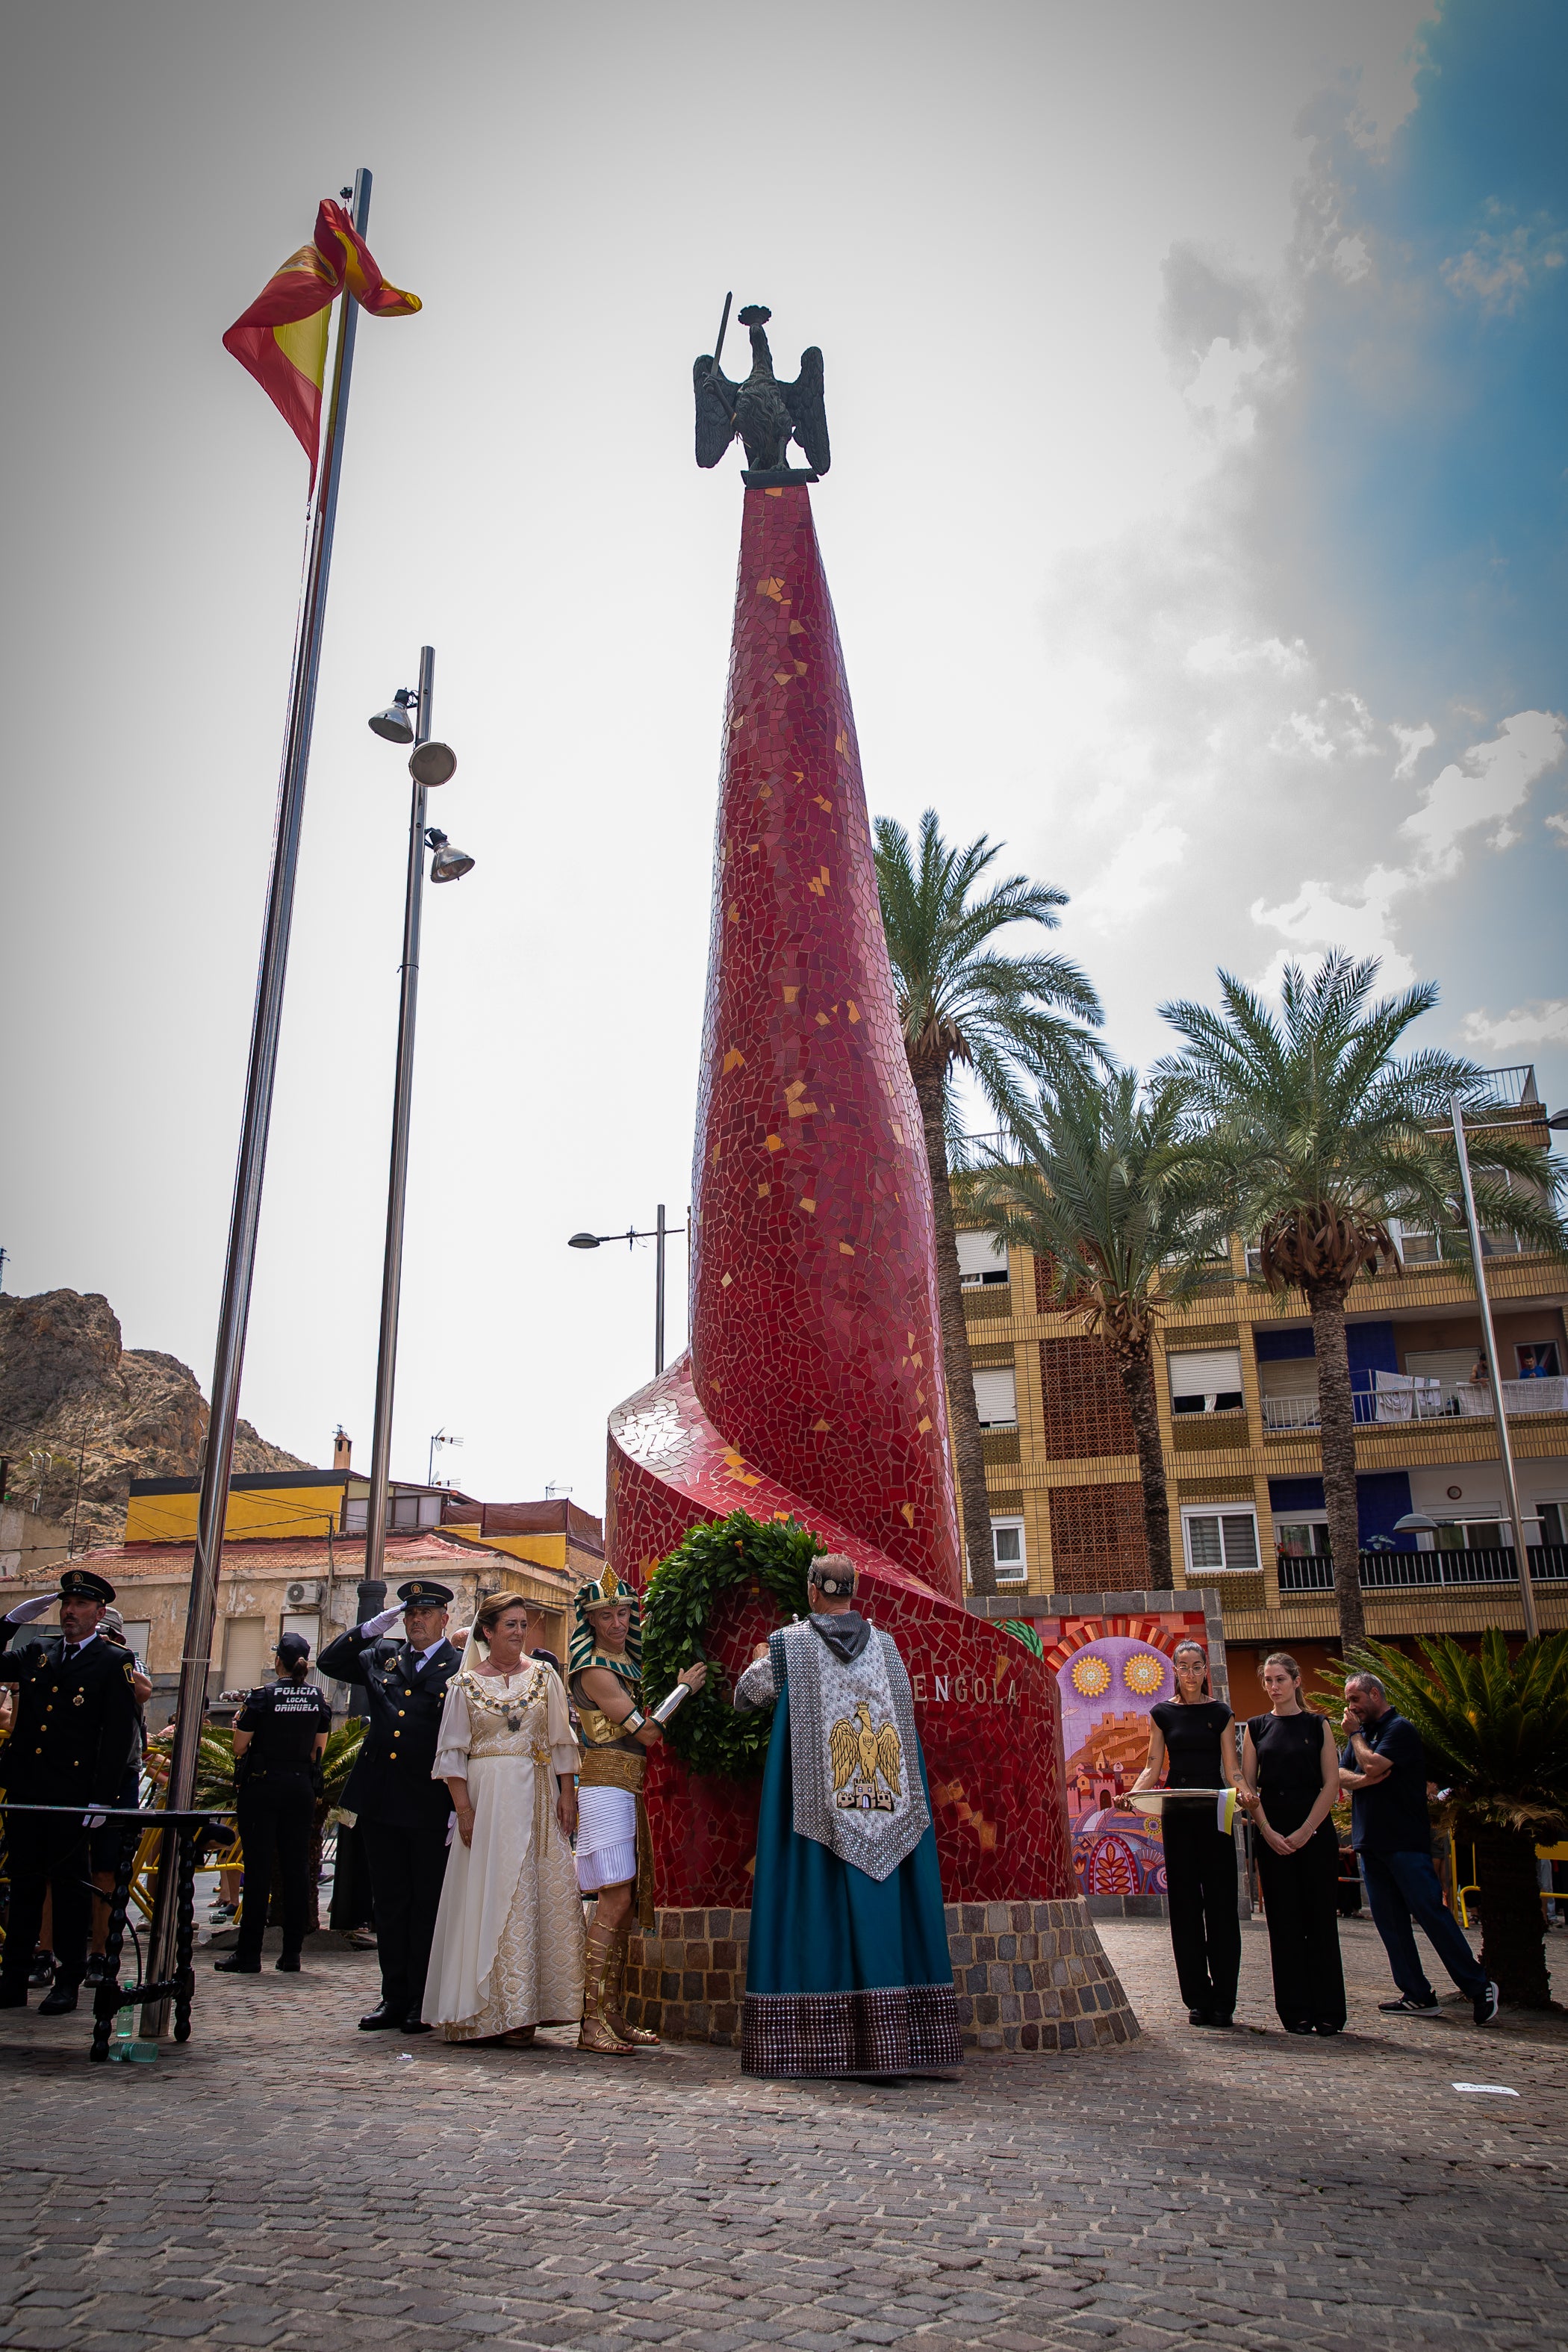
(403, 1812)
(76, 1717)
(278, 1737)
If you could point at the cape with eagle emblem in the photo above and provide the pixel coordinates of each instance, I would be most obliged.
(852, 1724)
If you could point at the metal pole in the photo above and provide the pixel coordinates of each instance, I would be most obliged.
(1489, 1341)
(245, 1215)
(659, 1232)
(397, 1178)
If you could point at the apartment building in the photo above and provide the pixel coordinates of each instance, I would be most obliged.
(1236, 1382)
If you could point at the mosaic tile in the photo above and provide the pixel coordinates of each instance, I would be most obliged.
(813, 1385)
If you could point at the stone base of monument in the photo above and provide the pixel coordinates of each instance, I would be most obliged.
(1030, 1977)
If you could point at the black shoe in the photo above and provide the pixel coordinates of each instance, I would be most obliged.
(414, 2025)
(236, 1964)
(1326, 2028)
(1198, 2017)
(1487, 2003)
(382, 2020)
(1303, 2027)
(97, 1969)
(1221, 2017)
(60, 2002)
(13, 1996)
(289, 1962)
(42, 1971)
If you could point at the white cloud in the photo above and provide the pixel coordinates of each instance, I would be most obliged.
(1224, 654)
(1486, 787)
(1497, 269)
(1542, 1023)
(1139, 873)
(1559, 823)
(1360, 919)
(1412, 743)
(1340, 727)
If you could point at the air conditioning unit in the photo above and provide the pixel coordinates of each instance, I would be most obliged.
(303, 1595)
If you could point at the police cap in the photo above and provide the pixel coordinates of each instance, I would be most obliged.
(423, 1592)
(292, 1646)
(81, 1584)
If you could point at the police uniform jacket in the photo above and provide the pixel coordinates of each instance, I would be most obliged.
(283, 1719)
(391, 1780)
(76, 1720)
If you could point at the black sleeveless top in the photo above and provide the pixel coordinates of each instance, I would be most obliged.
(1191, 1736)
(1290, 1749)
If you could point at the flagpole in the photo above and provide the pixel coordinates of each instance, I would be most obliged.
(239, 1266)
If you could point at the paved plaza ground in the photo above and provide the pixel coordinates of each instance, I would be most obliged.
(287, 2181)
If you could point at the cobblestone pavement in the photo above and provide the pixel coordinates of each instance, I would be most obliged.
(286, 2180)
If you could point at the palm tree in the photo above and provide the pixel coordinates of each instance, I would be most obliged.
(1495, 1728)
(1010, 1019)
(1320, 1137)
(1105, 1196)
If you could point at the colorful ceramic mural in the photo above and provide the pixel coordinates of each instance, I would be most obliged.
(1110, 1672)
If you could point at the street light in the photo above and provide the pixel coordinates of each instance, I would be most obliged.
(429, 764)
(658, 1235)
(1489, 1342)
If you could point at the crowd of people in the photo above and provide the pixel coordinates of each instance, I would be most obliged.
(494, 1795)
(1287, 1775)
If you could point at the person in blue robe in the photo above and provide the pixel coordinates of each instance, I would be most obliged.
(848, 1971)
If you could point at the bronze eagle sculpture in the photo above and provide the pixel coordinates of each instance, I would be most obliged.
(766, 414)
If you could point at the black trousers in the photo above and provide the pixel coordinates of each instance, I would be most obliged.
(406, 1868)
(1301, 1900)
(46, 1855)
(277, 1816)
(1206, 1929)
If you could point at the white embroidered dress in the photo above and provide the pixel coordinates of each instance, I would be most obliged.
(507, 1948)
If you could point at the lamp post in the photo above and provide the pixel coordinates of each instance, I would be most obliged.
(429, 764)
(1489, 1342)
(659, 1234)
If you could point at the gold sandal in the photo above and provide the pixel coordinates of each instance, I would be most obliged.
(596, 2033)
(640, 2036)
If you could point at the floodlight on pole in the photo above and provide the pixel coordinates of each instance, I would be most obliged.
(448, 863)
(658, 1235)
(396, 723)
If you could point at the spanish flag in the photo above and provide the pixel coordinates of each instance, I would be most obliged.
(282, 338)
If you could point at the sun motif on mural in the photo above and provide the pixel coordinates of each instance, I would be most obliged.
(1090, 1677)
(1143, 1674)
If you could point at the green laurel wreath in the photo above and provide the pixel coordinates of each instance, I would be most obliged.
(714, 1558)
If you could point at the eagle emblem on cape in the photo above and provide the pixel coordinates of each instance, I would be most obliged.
(861, 1755)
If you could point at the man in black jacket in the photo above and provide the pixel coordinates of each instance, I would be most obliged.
(402, 1811)
(76, 1716)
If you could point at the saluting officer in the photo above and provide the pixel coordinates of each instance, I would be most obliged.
(76, 1717)
(279, 1736)
(403, 1812)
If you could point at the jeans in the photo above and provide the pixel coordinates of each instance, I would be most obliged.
(1402, 1887)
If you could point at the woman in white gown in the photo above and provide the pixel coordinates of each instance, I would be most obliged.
(508, 1949)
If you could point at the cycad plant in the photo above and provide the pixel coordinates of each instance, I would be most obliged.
(1010, 1019)
(1496, 1733)
(1319, 1136)
(1104, 1195)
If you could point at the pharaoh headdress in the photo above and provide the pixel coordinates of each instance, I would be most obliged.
(605, 1591)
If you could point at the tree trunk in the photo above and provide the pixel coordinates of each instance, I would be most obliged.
(931, 1090)
(1513, 1923)
(1336, 1414)
(1138, 1380)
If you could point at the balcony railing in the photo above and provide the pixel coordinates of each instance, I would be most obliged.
(1400, 1399)
(1402, 1571)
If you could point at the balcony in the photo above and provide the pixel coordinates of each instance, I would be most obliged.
(1399, 1397)
(1403, 1571)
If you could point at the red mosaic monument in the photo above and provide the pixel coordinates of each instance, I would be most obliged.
(813, 1385)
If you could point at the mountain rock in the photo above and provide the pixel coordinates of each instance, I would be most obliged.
(74, 1401)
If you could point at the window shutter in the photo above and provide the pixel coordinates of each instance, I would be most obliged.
(980, 1259)
(996, 1397)
(1205, 1372)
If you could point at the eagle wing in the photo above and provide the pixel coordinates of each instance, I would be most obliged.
(889, 1757)
(844, 1749)
(803, 400)
(715, 397)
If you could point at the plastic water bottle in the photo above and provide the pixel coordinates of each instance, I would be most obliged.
(126, 2048)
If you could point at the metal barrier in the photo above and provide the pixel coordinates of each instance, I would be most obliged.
(109, 1997)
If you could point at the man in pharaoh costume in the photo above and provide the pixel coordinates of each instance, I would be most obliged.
(848, 1971)
(614, 1851)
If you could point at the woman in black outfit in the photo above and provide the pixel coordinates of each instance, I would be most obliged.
(1291, 1769)
(1189, 1731)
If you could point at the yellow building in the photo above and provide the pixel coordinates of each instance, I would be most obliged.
(1237, 1383)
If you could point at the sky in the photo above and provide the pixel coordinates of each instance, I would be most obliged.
(1195, 526)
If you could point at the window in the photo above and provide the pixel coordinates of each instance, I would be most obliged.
(1417, 1244)
(1290, 1387)
(1537, 1361)
(982, 1258)
(996, 1397)
(1301, 1538)
(1220, 1540)
(139, 1636)
(1205, 1380)
(1549, 1515)
(243, 1653)
(1007, 1540)
(1473, 1535)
